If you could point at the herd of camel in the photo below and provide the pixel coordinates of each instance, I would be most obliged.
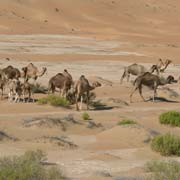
(17, 90)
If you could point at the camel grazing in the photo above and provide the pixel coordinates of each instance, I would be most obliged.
(83, 87)
(136, 70)
(32, 72)
(150, 80)
(11, 73)
(61, 82)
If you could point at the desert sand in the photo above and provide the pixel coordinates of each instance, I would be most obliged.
(96, 38)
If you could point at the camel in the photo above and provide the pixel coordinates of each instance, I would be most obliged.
(83, 87)
(137, 69)
(32, 72)
(17, 89)
(64, 83)
(11, 73)
(166, 64)
(150, 80)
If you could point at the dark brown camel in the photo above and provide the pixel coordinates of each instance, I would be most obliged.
(11, 73)
(61, 82)
(150, 80)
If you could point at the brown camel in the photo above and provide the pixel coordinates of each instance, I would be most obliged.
(136, 70)
(83, 87)
(150, 80)
(31, 71)
(61, 82)
(11, 73)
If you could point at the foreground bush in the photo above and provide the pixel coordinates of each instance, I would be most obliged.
(126, 122)
(171, 117)
(27, 167)
(164, 170)
(54, 100)
(85, 116)
(166, 144)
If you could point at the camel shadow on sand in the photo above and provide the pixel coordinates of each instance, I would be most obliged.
(99, 106)
(162, 99)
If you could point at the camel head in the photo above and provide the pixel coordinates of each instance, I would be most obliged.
(161, 63)
(44, 70)
(170, 79)
(154, 68)
(96, 84)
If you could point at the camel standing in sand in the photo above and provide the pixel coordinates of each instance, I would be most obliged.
(150, 80)
(83, 87)
(61, 81)
(136, 70)
(32, 72)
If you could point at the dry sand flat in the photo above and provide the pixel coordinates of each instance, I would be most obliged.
(96, 38)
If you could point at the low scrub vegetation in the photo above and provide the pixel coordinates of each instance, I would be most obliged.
(126, 122)
(38, 88)
(171, 117)
(28, 167)
(85, 116)
(167, 144)
(163, 170)
(54, 100)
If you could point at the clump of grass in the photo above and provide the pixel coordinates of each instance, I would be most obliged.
(163, 170)
(54, 100)
(126, 122)
(167, 144)
(85, 116)
(171, 117)
(38, 88)
(27, 167)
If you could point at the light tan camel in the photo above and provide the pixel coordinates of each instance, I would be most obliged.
(166, 64)
(62, 82)
(32, 72)
(83, 87)
(136, 70)
(150, 80)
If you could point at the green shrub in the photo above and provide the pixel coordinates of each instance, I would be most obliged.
(85, 116)
(171, 117)
(167, 144)
(28, 167)
(54, 100)
(38, 88)
(126, 122)
(163, 170)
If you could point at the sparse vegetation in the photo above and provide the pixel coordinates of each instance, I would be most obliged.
(38, 88)
(171, 117)
(126, 122)
(167, 144)
(85, 116)
(54, 100)
(27, 167)
(163, 170)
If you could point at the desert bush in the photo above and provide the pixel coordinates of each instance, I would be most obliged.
(163, 170)
(54, 100)
(167, 144)
(28, 167)
(126, 122)
(38, 88)
(171, 117)
(85, 116)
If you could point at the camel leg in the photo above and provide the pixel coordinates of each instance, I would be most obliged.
(2, 94)
(123, 76)
(134, 90)
(155, 94)
(81, 102)
(77, 107)
(128, 76)
(87, 102)
(140, 92)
